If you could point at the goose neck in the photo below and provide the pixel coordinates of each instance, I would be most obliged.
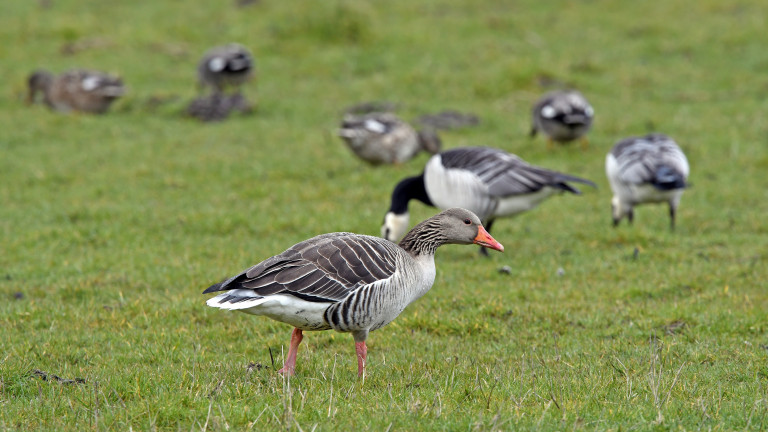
(408, 189)
(423, 239)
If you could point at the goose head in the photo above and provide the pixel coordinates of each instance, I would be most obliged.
(394, 226)
(430, 141)
(461, 226)
(38, 81)
(452, 226)
(619, 209)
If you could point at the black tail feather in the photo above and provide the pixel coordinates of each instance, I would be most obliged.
(667, 178)
(563, 179)
(214, 288)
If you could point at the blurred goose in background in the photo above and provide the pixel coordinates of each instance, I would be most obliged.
(217, 106)
(75, 90)
(347, 282)
(649, 169)
(490, 182)
(225, 66)
(382, 138)
(562, 115)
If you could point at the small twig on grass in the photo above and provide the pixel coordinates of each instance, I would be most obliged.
(655, 378)
(554, 399)
(51, 377)
(752, 412)
(288, 417)
(298, 426)
(543, 414)
(272, 359)
(208, 417)
(490, 392)
(677, 374)
(333, 373)
(258, 417)
(624, 371)
(216, 389)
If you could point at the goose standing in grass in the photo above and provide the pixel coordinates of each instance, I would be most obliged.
(347, 282)
(382, 138)
(649, 169)
(76, 90)
(562, 115)
(490, 182)
(225, 66)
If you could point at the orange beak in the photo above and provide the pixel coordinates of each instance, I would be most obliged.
(485, 239)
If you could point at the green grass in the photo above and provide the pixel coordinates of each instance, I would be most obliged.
(111, 226)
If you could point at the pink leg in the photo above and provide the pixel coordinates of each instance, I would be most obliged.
(290, 362)
(362, 351)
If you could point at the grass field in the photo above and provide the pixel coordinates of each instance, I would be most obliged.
(111, 226)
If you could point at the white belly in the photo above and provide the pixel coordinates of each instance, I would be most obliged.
(512, 205)
(646, 193)
(284, 308)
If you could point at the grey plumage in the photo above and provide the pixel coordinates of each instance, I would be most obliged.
(217, 106)
(226, 66)
(562, 115)
(490, 182)
(507, 174)
(646, 169)
(76, 90)
(383, 138)
(348, 282)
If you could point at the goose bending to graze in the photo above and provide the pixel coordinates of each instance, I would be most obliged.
(490, 182)
(382, 138)
(649, 169)
(347, 282)
(76, 90)
(562, 115)
(225, 66)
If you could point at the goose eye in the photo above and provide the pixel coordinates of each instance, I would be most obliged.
(467, 222)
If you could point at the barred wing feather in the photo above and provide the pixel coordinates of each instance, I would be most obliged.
(326, 268)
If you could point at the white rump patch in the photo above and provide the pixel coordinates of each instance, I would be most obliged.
(548, 112)
(375, 126)
(245, 304)
(217, 64)
(589, 111)
(90, 83)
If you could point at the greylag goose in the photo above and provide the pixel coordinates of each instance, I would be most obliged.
(649, 169)
(76, 90)
(382, 138)
(562, 115)
(490, 182)
(347, 282)
(225, 66)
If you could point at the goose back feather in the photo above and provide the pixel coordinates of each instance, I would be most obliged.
(562, 115)
(383, 138)
(76, 90)
(347, 282)
(225, 66)
(648, 169)
(490, 182)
